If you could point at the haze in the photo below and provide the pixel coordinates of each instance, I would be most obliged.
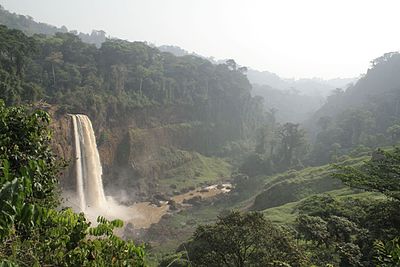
(300, 39)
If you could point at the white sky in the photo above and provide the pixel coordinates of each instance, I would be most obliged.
(293, 38)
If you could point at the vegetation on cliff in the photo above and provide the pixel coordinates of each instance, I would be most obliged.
(111, 82)
(32, 231)
(173, 111)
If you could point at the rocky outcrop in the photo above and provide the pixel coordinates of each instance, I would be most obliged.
(62, 143)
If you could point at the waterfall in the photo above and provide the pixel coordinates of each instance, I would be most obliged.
(88, 167)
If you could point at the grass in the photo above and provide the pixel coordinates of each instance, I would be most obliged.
(301, 184)
(177, 229)
(287, 213)
(284, 214)
(197, 171)
(292, 186)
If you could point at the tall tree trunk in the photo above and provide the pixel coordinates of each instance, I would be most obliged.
(54, 74)
(140, 87)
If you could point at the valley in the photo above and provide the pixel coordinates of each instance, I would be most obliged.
(125, 153)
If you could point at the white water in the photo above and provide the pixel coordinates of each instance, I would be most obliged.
(89, 196)
(88, 167)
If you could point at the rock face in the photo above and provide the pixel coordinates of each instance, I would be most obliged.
(63, 147)
(135, 152)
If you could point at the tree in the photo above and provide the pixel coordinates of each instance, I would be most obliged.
(334, 239)
(388, 254)
(380, 174)
(291, 138)
(256, 164)
(394, 132)
(231, 64)
(24, 139)
(242, 240)
(55, 58)
(313, 228)
(354, 123)
(32, 231)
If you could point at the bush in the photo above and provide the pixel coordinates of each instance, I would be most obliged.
(32, 232)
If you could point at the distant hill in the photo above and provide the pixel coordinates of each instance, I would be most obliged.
(173, 49)
(288, 105)
(315, 86)
(30, 27)
(365, 116)
(379, 87)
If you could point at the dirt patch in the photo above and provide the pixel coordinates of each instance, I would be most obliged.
(147, 213)
(206, 192)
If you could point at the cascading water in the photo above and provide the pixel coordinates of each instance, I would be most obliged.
(88, 167)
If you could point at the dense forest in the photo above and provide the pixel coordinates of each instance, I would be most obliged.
(316, 188)
(121, 76)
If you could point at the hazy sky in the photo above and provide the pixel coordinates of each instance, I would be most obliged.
(293, 38)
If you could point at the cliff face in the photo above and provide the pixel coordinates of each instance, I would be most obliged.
(136, 152)
(63, 146)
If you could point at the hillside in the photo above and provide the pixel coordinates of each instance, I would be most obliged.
(310, 87)
(379, 84)
(363, 116)
(288, 105)
(142, 102)
(278, 197)
(200, 162)
(30, 27)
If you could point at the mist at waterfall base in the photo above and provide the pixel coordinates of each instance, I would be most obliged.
(89, 195)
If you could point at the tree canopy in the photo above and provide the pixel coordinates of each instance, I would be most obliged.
(242, 240)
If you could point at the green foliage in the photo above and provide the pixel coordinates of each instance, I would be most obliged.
(179, 259)
(256, 164)
(332, 235)
(188, 169)
(352, 132)
(121, 77)
(291, 138)
(24, 149)
(365, 114)
(32, 232)
(380, 174)
(388, 253)
(276, 150)
(394, 132)
(347, 229)
(313, 228)
(295, 185)
(242, 240)
(63, 238)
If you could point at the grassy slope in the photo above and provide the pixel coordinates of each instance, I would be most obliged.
(287, 213)
(292, 186)
(200, 170)
(181, 225)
